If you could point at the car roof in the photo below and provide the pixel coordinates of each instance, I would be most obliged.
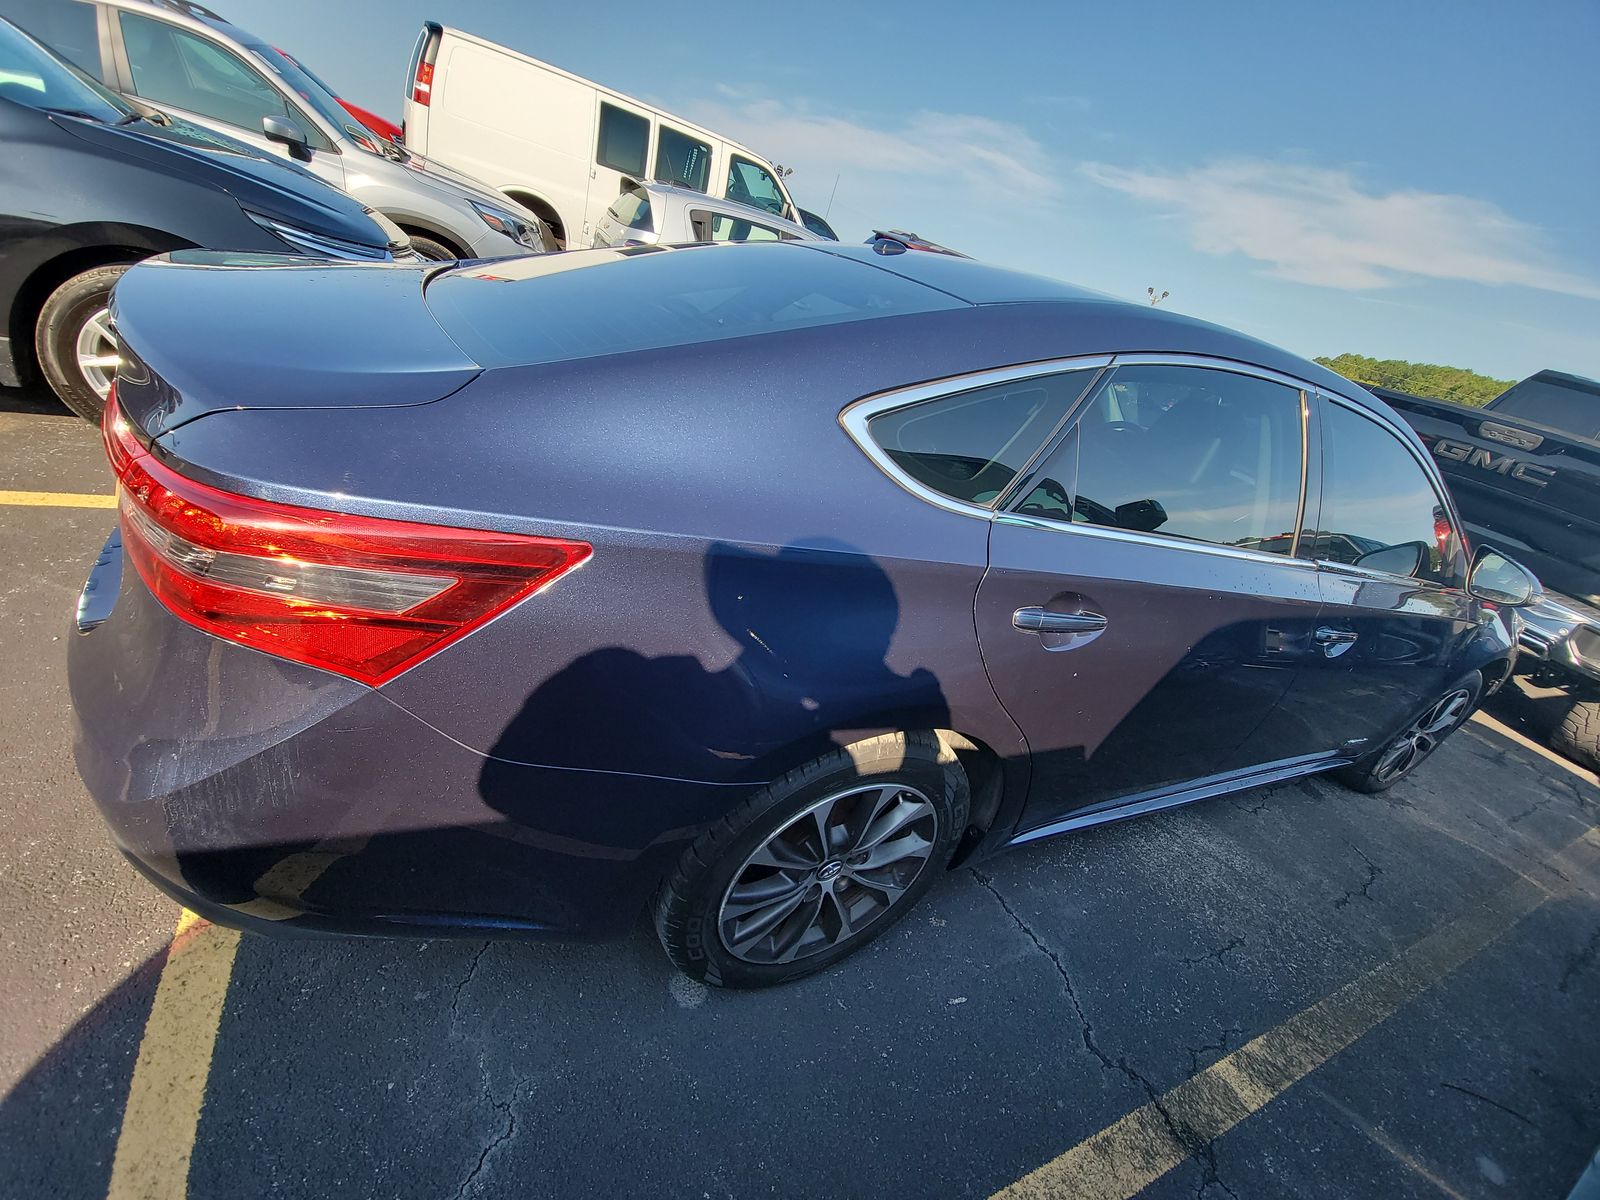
(558, 308)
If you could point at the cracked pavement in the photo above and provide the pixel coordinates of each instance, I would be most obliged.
(1029, 1002)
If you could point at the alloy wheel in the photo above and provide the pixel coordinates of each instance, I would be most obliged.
(828, 873)
(97, 352)
(1423, 736)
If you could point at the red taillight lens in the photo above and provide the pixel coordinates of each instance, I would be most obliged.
(360, 596)
(422, 88)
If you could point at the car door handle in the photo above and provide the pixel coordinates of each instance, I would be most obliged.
(1334, 641)
(1037, 620)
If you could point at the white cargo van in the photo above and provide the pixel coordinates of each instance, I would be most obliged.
(561, 145)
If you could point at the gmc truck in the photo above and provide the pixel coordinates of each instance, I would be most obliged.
(1525, 470)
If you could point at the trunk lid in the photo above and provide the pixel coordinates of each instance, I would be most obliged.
(204, 331)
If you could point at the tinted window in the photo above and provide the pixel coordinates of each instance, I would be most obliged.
(632, 210)
(66, 26)
(720, 227)
(624, 139)
(971, 445)
(555, 307)
(1184, 452)
(817, 225)
(31, 76)
(752, 184)
(1378, 508)
(173, 66)
(682, 160)
(1573, 407)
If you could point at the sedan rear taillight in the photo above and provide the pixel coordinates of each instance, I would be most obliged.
(361, 596)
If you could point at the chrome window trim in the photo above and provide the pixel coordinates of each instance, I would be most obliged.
(856, 415)
(1206, 362)
(1151, 539)
(1430, 472)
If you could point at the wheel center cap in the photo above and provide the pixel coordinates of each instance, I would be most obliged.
(829, 870)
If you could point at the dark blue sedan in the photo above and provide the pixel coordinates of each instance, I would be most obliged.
(752, 585)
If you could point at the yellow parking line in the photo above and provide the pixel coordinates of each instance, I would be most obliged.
(169, 1079)
(57, 499)
(1129, 1155)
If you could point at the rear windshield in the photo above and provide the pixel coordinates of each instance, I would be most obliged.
(585, 303)
(1570, 406)
(632, 210)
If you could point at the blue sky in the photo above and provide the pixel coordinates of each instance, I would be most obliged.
(1413, 180)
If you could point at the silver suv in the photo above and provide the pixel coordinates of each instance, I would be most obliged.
(664, 213)
(187, 61)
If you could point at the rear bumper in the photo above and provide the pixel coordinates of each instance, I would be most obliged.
(271, 796)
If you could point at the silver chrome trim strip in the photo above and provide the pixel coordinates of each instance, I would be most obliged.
(1150, 539)
(1206, 362)
(855, 416)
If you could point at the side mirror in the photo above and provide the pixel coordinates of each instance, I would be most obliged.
(1404, 559)
(1144, 516)
(287, 134)
(1497, 579)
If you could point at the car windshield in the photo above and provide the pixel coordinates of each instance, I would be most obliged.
(30, 75)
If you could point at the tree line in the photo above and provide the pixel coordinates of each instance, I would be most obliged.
(1419, 379)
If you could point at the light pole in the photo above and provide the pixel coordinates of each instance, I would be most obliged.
(1155, 299)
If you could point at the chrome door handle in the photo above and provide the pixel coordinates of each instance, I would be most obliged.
(1037, 620)
(1328, 636)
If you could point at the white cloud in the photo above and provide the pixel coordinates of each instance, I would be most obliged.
(995, 158)
(1316, 225)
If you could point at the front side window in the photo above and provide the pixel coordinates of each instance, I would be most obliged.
(172, 66)
(682, 160)
(971, 445)
(67, 26)
(624, 140)
(1379, 510)
(1184, 452)
(750, 183)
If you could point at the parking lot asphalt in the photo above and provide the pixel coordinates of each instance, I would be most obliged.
(1297, 991)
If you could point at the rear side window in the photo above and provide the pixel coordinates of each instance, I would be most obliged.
(624, 140)
(1184, 452)
(720, 227)
(66, 26)
(1379, 510)
(632, 211)
(971, 445)
(682, 160)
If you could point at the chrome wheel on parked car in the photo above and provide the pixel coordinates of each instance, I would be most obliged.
(97, 352)
(829, 873)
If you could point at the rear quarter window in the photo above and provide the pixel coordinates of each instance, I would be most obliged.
(970, 445)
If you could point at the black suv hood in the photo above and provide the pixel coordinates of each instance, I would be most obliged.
(269, 186)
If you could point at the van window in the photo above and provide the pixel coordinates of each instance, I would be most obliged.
(682, 160)
(624, 140)
(1184, 452)
(971, 445)
(750, 183)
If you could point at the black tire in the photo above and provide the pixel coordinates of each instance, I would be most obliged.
(1368, 774)
(432, 249)
(690, 901)
(1578, 735)
(55, 338)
